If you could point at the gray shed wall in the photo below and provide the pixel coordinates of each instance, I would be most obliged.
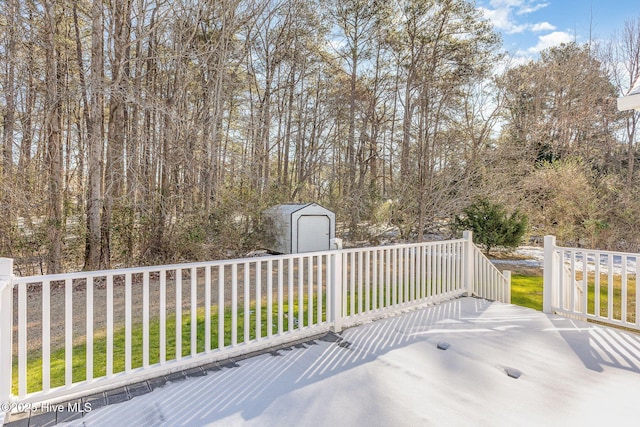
(283, 223)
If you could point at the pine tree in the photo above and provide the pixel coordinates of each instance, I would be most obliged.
(492, 225)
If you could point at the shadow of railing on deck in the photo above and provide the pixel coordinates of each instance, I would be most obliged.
(600, 346)
(264, 379)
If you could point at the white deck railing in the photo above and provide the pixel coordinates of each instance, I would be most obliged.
(116, 327)
(591, 284)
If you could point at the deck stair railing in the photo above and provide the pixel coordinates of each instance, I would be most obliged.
(591, 284)
(66, 335)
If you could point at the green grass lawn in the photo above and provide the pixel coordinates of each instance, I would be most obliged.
(57, 375)
(616, 294)
(79, 351)
(526, 291)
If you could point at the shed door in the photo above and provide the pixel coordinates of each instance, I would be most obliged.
(313, 233)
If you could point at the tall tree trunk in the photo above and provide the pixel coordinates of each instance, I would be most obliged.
(351, 138)
(24, 162)
(7, 209)
(53, 143)
(117, 125)
(287, 136)
(9, 119)
(406, 128)
(95, 142)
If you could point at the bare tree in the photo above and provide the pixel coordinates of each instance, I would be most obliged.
(623, 55)
(117, 124)
(11, 8)
(53, 122)
(164, 128)
(439, 64)
(95, 144)
(562, 105)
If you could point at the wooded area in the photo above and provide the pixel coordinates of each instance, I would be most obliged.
(153, 131)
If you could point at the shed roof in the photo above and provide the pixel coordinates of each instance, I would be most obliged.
(289, 208)
(631, 101)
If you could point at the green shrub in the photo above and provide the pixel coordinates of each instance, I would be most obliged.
(492, 225)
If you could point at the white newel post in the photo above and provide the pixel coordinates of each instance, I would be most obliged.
(507, 277)
(467, 259)
(549, 277)
(6, 327)
(335, 283)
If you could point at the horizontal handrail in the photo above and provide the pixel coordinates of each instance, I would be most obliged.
(155, 268)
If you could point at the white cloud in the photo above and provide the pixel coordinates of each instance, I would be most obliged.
(507, 3)
(552, 39)
(501, 20)
(513, 17)
(542, 26)
(521, 58)
(521, 7)
(498, 17)
(531, 7)
(502, 15)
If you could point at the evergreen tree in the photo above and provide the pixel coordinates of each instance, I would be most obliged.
(492, 225)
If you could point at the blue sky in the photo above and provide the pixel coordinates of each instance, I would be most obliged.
(529, 26)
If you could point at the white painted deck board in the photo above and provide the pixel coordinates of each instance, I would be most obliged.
(392, 373)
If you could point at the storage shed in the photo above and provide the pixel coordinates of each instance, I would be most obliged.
(293, 228)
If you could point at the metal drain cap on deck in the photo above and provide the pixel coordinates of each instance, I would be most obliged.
(512, 372)
(442, 345)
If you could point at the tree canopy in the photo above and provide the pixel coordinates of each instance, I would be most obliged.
(152, 132)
